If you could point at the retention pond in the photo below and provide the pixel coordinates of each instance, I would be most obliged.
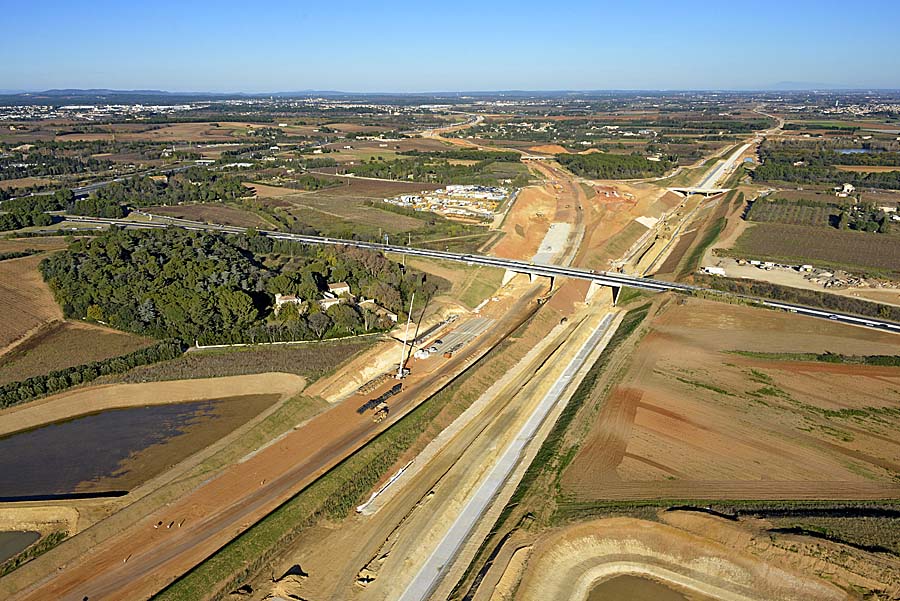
(117, 449)
(11, 543)
(636, 588)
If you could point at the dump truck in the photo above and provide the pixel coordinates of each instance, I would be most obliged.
(381, 412)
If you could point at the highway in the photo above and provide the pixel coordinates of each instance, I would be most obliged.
(603, 278)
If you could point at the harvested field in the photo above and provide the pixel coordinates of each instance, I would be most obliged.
(176, 132)
(26, 302)
(802, 244)
(212, 213)
(690, 419)
(66, 344)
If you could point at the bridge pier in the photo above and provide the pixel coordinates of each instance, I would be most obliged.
(594, 288)
(509, 274)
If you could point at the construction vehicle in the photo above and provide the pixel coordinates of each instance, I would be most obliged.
(381, 412)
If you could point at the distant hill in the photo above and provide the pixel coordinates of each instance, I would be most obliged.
(802, 86)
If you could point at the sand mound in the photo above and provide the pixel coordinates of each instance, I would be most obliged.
(548, 149)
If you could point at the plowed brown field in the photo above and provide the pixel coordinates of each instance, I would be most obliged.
(26, 303)
(692, 419)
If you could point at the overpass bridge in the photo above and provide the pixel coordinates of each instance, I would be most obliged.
(597, 279)
(699, 190)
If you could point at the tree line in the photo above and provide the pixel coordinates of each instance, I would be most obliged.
(59, 380)
(37, 164)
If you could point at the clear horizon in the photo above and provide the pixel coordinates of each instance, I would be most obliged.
(412, 48)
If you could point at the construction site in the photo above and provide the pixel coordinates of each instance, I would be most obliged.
(516, 437)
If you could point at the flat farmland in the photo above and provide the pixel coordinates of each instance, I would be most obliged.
(805, 244)
(62, 345)
(821, 215)
(347, 206)
(25, 182)
(691, 418)
(26, 302)
(37, 243)
(177, 132)
(212, 213)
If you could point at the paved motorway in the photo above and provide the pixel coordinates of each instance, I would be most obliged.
(603, 278)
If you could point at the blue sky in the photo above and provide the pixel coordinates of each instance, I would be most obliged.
(446, 46)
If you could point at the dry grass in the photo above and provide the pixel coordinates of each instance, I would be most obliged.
(308, 360)
(24, 182)
(213, 213)
(21, 244)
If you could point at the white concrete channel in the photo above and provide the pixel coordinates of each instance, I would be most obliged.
(434, 568)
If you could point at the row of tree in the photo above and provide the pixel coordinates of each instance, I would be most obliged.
(56, 381)
(809, 298)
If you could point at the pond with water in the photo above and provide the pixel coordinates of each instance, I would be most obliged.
(636, 588)
(11, 543)
(117, 449)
